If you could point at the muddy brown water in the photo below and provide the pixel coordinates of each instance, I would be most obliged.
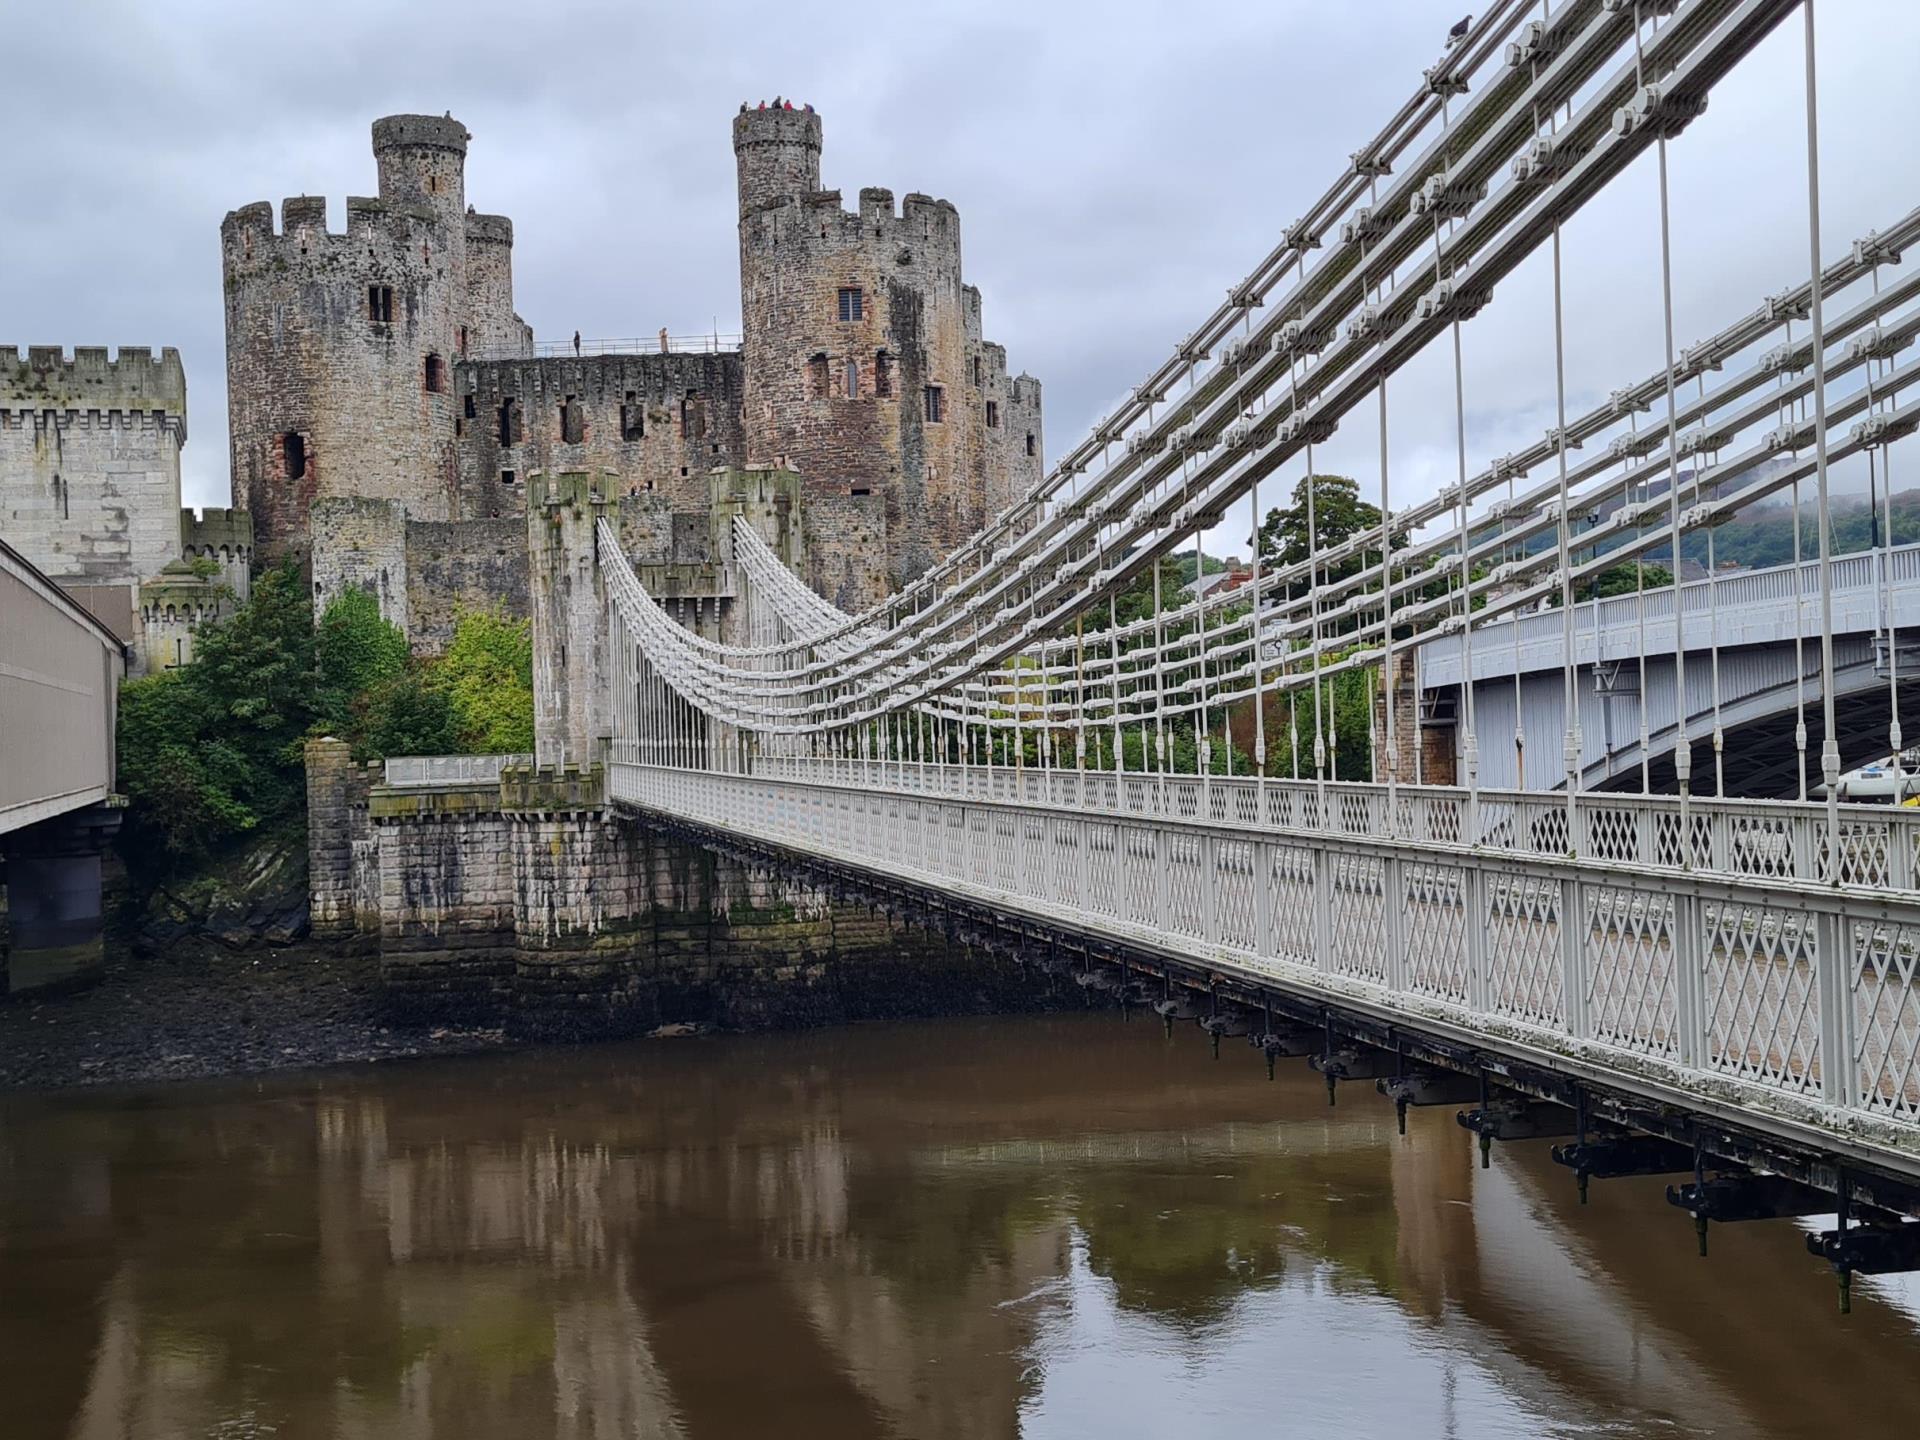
(1061, 1226)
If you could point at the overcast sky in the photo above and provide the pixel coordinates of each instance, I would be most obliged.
(1116, 166)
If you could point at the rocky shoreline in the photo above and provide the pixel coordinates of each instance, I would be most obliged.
(198, 1009)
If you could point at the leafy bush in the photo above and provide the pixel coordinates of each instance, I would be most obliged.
(212, 750)
(487, 673)
(355, 651)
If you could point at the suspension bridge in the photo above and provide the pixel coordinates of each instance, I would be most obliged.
(1683, 967)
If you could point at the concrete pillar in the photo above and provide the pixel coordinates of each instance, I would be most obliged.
(570, 713)
(53, 900)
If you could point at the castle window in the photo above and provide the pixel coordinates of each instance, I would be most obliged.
(993, 414)
(467, 406)
(293, 455)
(976, 370)
(463, 339)
(817, 377)
(853, 378)
(573, 422)
(936, 404)
(633, 418)
(380, 304)
(882, 373)
(858, 490)
(852, 305)
(693, 418)
(507, 477)
(510, 425)
(436, 379)
(1030, 447)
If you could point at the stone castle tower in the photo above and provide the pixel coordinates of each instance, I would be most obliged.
(341, 347)
(865, 367)
(90, 494)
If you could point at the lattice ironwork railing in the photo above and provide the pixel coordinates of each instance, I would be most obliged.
(1800, 1006)
(1749, 839)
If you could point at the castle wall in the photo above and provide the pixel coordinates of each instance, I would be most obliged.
(226, 538)
(455, 565)
(171, 606)
(90, 466)
(490, 328)
(324, 399)
(341, 348)
(658, 423)
(529, 901)
(360, 543)
(569, 618)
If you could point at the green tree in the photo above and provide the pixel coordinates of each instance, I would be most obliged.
(1339, 514)
(355, 650)
(487, 674)
(211, 750)
(405, 714)
(1621, 580)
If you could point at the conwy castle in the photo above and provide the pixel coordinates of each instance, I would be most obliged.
(389, 412)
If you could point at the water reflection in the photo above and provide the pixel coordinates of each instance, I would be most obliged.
(1040, 1227)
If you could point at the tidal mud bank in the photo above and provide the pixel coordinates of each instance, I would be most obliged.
(199, 1009)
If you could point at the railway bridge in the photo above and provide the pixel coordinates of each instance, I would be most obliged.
(60, 674)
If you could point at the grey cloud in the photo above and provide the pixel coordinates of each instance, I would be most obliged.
(1117, 167)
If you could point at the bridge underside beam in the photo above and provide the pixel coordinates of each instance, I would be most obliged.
(1196, 990)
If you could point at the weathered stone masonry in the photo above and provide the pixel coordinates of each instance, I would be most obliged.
(528, 899)
(90, 493)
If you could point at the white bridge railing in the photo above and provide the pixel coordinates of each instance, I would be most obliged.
(1748, 839)
(449, 769)
(1794, 1007)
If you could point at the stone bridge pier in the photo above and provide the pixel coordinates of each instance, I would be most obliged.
(516, 896)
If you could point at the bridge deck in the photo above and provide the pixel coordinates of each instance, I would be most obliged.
(1788, 1009)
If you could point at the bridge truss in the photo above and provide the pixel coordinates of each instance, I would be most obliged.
(1041, 724)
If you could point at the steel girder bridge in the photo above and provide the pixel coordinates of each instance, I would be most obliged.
(1038, 744)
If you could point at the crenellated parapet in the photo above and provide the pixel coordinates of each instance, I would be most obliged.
(132, 383)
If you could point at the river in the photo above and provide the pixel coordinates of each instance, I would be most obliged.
(1046, 1227)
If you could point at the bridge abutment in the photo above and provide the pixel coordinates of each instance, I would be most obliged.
(528, 902)
(54, 909)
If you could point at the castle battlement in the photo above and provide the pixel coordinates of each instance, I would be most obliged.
(492, 229)
(133, 382)
(250, 233)
(436, 132)
(215, 527)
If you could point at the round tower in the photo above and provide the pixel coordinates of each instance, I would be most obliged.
(340, 347)
(423, 161)
(778, 156)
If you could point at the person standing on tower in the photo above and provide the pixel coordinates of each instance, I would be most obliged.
(576, 344)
